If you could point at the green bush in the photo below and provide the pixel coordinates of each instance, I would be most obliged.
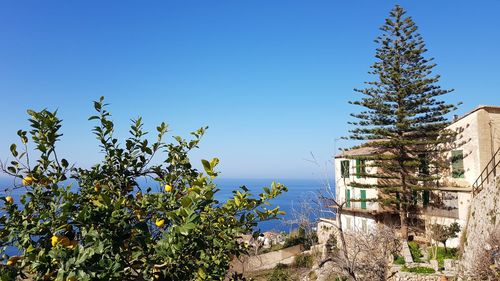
(304, 261)
(442, 254)
(280, 274)
(111, 227)
(399, 260)
(418, 269)
(416, 254)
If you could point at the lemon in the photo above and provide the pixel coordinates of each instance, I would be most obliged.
(27, 180)
(54, 240)
(9, 199)
(97, 187)
(160, 222)
(156, 276)
(168, 188)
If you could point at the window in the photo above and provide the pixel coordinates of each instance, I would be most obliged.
(364, 226)
(348, 198)
(457, 164)
(344, 168)
(348, 223)
(360, 168)
(363, 199)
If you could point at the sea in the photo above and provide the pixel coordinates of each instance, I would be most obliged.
(299, 201)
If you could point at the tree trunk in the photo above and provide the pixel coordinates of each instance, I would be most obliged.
(404, 223)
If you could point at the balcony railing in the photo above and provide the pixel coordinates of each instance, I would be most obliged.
(489, 172)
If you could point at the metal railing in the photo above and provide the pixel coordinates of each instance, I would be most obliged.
(489, 170)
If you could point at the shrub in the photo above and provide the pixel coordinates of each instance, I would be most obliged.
(418, 269)
(304, 261)
(442, 254)
(399, 260)
(415, 251)
(110, 227)
(280, 274)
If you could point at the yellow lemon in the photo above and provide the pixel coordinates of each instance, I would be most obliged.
(9, 199)
(54, 240)
(168, 188)
(156, 276)
(12, 260)
(160, 222)
(97, 187)
(27, 180)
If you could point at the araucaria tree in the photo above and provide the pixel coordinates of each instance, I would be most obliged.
(403, 119)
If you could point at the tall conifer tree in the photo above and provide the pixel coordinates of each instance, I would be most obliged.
(403, 119)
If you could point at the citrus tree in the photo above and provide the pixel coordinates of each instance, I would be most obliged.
(124, 218)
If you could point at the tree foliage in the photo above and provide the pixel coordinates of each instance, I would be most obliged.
(124, 218)
(403, 119)
(443, 233)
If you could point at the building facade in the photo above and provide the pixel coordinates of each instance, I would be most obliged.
(476, 142)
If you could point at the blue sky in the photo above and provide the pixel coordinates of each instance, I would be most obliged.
(270, 78)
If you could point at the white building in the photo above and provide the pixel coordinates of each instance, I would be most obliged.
(477, 142)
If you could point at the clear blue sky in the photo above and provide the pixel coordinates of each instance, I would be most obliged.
(270, 78)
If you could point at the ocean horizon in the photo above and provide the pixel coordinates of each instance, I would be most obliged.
(299, 191)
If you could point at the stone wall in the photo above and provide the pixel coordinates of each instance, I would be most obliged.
(408, 276)
(484, 218)
(266, 261)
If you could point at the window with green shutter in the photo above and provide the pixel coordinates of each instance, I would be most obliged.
(457, 164)
(344, 168)
(348, 198)
(363, 199)
(360, 168)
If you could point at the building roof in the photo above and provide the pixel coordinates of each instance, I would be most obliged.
(485, 107)
(366, 150)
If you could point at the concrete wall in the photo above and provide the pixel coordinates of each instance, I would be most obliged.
(351, 222)
(479, 138)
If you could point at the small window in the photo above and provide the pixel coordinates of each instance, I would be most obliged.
(348, 198)
(363, 199)
(344, 168)
(360, 168)
(457, 164)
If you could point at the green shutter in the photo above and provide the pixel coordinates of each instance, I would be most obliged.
(363, 199)
(344, 168)
(348, 198)
(457, 164)
(358, 168)
(425, 198)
